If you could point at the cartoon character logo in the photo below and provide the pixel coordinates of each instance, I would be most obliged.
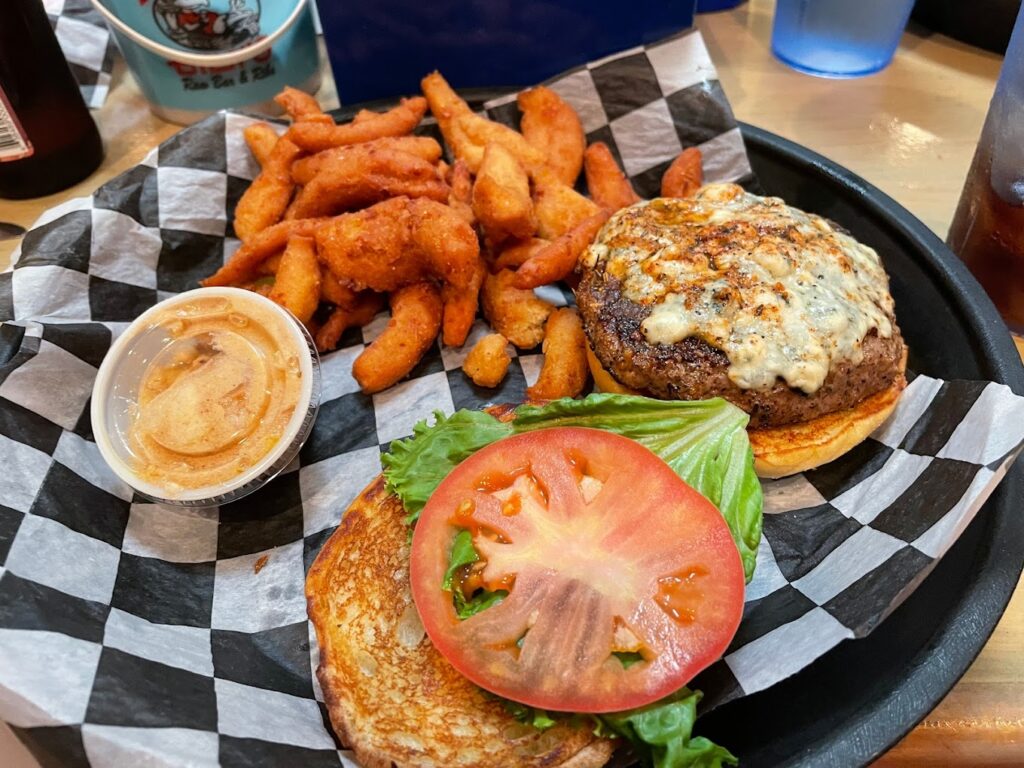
(208, 25)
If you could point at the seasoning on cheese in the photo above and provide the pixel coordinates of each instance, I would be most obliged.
(218, 395)
(781, 292)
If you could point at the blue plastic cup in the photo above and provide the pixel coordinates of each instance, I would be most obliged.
(838, 38)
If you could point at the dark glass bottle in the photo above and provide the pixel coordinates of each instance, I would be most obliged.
(48, 140)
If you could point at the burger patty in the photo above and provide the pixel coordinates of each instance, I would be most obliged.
(691, 369)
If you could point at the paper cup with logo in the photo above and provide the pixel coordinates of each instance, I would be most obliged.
(194, 57)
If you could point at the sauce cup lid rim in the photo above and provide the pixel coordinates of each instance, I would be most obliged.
(105, 379)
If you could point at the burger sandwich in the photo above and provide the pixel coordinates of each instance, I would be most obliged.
(728, 294)
(536, 586)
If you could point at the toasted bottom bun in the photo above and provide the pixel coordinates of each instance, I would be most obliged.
(392, 698)
(787, 450)
(604, 381)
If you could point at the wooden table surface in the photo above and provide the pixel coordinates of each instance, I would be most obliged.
(910, 130)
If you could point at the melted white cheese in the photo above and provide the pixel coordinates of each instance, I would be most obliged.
(781, 292)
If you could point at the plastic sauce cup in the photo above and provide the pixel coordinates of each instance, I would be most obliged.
(194, 57)
(119, 381)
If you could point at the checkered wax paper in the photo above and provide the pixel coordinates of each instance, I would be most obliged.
(87, 45)
(136, 634)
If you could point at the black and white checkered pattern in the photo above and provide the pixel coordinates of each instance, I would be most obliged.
(845, 544)
(87, 45)
(648, 104)
(130, 630)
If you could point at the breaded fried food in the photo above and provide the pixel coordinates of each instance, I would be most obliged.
(565, 370)
(355, 310)
(460, 305)
(363, 115)
(559, 207)
(373, 650)
(472, 133)
(606, 182)
(516, 314)
(288, 213)
(301, 107)
(297, 285)
(365, 176)
(553, 127)
(517, 252)
(501, 196)
(557, 259)
(269, 266)
(244, 264)
(467, 133)
(460, 198)
(333, 291)
(260, 138)
(263, 286)
(685, 176)
(399, 242)
(400, 121)
(266, 199)
(445, 103)
(424, 147)
(488, 361)
(411, 331)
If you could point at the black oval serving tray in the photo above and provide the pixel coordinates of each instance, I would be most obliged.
(862, 697)
(858, 700)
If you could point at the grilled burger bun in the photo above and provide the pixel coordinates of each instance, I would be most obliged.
(392, 698)
(732, 295)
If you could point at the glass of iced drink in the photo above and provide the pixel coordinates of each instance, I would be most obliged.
(988, 228)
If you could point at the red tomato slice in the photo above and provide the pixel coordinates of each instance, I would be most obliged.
(603, 550)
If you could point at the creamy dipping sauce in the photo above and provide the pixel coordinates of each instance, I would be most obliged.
(781, 292)
(217, 397)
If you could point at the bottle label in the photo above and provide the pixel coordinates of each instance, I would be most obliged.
(14, 143)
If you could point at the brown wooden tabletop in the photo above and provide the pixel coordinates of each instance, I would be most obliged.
(910, 130)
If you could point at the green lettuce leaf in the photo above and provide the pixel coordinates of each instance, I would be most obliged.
(663, 733)
(414, 467)
(482, 600)
(628, 658)
(704, 441)
(463, 553)
(538, 718)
